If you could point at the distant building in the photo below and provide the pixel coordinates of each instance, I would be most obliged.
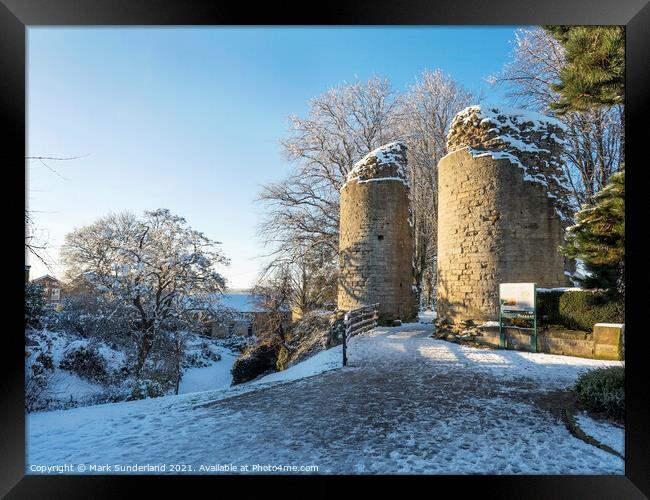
(80, 285)
(51, 288)
(246, 312)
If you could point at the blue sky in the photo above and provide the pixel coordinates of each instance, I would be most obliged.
(190, 118)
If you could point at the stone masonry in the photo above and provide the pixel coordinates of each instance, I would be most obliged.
(501, 209)
(376, 238)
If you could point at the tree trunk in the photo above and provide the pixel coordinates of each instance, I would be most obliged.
(178, 352)
(145, 346)
(178, 375)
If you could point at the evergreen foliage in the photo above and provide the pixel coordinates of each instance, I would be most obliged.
(257, 360)
(594, 73)
(579, 310)
(34, 304)
(598, 237)
(603, 390)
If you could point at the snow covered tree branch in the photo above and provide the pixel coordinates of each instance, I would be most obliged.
(156, 266)
(424, 116)
(342, 126)
(595, 136)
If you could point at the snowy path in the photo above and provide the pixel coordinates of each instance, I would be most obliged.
(406, 404)
(217, 375)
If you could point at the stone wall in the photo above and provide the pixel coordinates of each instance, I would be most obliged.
(605, 342)
(499, 219)
(376, 239)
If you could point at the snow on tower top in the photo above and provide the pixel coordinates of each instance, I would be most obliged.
(387, 162)
(532, 141)
(506, 129)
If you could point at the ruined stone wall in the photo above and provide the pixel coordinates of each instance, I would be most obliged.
(499, 219)
(376, 239)
(532, 141)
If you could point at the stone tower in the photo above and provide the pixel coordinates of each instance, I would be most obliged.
(502, 209)
(376, 238)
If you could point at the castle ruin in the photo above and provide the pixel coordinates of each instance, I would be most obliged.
(376, 238)
(502, 209)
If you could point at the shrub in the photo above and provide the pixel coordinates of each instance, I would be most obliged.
(39, 369)
(45, 360)
(202, 358)
(602, 390)
(314, 332)
(86, 362)
(237, 343)
(96, 317)
(579, 309)
(283, 358)
(147, 388)
(255, 361)
(208, 352)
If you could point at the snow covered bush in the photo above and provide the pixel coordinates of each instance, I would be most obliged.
(603, 390)
(39, 369)
(145, 388)
(85, 361)
(64, 371)
(237, 343)
(202, 357)
(98, 317)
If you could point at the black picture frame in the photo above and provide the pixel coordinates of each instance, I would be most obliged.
(17, 15)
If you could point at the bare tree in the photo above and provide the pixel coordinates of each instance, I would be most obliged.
(424, 117)
(595, 138)
(311, 278)
(273, 295)
(342, 126)
(35, 245)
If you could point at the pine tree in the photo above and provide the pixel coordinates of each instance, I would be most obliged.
(594, 73)
(598, 237)
(35, 306)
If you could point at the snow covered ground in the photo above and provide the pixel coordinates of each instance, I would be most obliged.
(406, 403)
(66, 389)
(427, 316)
(215, 376)
(330, 359)
(604, 432)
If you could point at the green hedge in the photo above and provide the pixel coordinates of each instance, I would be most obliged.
(578, 310)
(602, 390)
(256, 360)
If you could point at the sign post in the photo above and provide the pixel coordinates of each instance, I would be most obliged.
(518, 310)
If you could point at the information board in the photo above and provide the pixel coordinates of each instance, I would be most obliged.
(517, 309)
